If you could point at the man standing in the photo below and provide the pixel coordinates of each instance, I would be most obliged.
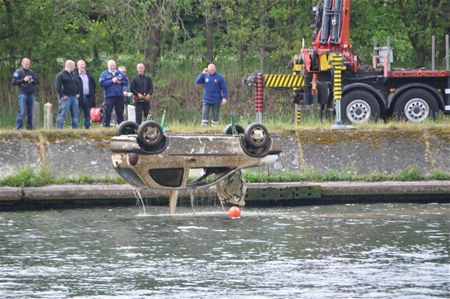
(26, 80)
(87, 99)
(215, 94)
(69, 90)
(142, 89)
(113, 81)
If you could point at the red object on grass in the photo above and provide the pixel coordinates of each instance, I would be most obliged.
(96, 114)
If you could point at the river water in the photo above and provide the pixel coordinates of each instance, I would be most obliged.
(336, 251)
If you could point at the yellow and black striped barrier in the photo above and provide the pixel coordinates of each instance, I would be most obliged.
(283, 81)
(337, 63)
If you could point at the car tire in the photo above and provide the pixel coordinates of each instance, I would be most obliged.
(256, 135)
(228, 130)
(150, 134)
(359, 106)
(127, 128)
(416, 105)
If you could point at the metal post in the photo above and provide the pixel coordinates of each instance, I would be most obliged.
(388, 56)
(433, 52)
(298, 114)
(447, 66)
(375, 54)
(259, 97)
(337, 62)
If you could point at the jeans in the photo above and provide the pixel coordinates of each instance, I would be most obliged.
(70, 104)
(26, 102)
(141, 107)
(86, 109)
(215, 113)
(115, 103)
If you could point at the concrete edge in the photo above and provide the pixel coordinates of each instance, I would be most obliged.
(258, 194)
(10, 194)
(385, 188)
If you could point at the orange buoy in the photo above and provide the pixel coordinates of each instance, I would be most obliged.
(234, 212)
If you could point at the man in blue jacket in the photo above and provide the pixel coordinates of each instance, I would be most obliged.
(215, 93)
(113, 82)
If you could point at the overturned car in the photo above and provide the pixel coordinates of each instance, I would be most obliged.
(146, 157)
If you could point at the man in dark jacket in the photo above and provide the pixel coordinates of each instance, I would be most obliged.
(86, 101)
(26, 80)
(69, 90)
(112, 80)
(142, 89)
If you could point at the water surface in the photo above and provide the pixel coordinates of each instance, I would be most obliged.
(351, 251)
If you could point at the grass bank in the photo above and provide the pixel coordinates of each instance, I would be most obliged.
(26, 177)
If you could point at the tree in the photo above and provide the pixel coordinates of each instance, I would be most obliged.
(422, 19)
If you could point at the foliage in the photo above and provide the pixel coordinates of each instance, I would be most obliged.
(175, 39)
(26, 177)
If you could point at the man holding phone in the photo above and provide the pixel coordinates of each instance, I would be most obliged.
(215, 94)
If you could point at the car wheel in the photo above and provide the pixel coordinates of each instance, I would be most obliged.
(416, 105)
(256, 135)
(228, 130)
(359, 106)
(127, 128)
(150, 133)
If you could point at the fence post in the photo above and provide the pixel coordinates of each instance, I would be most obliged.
(48, 116)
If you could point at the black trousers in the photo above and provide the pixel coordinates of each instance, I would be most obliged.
(115, 103)
(139, 108)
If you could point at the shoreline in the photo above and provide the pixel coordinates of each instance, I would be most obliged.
(258, 194)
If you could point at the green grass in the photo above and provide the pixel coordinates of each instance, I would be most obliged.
(27, 177)
(7, 120)
(189, 121)
(410, 174)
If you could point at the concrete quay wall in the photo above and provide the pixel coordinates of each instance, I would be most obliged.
(76, 153)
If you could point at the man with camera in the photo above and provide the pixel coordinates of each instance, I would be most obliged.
(26, 80)
(113, 81)
(142, 89)
(215, 94)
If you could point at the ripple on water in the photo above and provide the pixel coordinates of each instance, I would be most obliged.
(375, 251)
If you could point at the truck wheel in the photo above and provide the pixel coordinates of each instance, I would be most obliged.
(256, 135)
(150, 133)
(127, 128)
(359, 106)
(228, 129)
(416, 105)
